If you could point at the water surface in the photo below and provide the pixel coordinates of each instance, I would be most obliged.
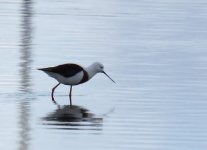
(154, 50)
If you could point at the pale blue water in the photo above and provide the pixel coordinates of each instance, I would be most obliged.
(154, 50)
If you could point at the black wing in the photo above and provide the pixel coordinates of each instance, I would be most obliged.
(66, 70)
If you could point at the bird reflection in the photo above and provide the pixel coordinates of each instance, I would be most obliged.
(73, 118)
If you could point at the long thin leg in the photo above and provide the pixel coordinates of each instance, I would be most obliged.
(52, 94)
(70, 95)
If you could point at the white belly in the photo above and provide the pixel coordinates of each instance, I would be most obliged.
(74, 80)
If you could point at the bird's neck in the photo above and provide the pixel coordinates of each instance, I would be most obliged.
(91, 71)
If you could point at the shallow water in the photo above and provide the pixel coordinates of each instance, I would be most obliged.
(154, 50)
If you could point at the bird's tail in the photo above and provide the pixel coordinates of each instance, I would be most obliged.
(42, 69)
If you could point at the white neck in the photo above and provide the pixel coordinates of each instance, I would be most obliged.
(91, 71)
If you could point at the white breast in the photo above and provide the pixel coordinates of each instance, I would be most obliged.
(67, 81)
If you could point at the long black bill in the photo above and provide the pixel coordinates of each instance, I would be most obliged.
(109, 77)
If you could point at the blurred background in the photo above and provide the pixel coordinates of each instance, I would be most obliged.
(154, 50)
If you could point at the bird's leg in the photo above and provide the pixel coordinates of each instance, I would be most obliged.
(70, 95)
(52, 94)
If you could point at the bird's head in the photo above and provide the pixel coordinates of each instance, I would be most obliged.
(99, 68)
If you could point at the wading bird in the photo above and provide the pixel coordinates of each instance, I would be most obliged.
(73, 74)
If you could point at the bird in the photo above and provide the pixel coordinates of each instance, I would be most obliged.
(73, 74)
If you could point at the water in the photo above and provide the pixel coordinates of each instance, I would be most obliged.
(154, 50)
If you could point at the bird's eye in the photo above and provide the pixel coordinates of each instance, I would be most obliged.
(101, 67)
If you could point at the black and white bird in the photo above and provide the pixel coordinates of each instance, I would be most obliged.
(73, 74)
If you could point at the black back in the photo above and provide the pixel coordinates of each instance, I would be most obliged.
(66, 70)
